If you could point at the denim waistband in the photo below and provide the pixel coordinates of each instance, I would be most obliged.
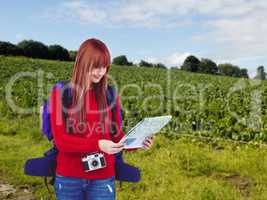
(58, 175)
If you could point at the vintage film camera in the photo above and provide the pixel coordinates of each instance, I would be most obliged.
(93, 162)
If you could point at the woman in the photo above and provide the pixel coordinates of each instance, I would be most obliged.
(90, 119)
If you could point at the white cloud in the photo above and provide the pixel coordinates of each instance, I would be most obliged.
(252, 74)
(87, 13)
(141, 13)
(160, 12)
(78, 11)
(237, 29)
(153, 60)
(175, 59)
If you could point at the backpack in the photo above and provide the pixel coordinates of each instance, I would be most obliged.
(46, 166)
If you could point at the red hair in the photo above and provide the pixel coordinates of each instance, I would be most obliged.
(92, 54)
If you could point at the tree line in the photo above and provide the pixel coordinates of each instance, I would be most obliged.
(36, 49)
(205, 65)
(122, 60)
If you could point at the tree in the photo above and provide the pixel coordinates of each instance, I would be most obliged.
(207, 66)
(236, 71)
(191, 63)
(7, 48)
(226, 69)
(159, 65)
(33, 49)
(121, 60)
(244, 73)
(57, 52)
(145, 64)
(260, 73)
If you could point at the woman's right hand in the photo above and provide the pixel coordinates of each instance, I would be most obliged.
(109, 147)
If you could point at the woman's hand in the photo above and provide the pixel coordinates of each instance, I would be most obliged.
(148, 142)
(109, 147)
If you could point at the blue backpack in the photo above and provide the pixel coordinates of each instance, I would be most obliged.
(46, 166)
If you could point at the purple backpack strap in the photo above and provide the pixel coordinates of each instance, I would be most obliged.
(45, 115)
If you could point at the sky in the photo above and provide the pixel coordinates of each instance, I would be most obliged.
(166, 31)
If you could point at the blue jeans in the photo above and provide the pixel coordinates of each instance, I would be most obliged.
(67, 188)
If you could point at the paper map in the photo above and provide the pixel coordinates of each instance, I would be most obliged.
(145, 128)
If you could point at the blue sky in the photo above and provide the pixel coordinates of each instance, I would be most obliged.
(157, 31)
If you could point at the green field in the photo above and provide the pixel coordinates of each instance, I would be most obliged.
(214, 148)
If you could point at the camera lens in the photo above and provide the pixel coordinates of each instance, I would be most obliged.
(94, 163)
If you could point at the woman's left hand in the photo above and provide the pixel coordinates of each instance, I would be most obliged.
(148, 143)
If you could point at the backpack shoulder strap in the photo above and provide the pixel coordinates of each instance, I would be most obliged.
(111, 99)
(45, 114)
(66, 99)
(111, 94)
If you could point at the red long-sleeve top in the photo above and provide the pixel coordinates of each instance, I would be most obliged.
(72, 147)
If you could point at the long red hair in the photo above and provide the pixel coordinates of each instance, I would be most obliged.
(92, 54)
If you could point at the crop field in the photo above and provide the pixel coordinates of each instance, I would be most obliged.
(213, 149)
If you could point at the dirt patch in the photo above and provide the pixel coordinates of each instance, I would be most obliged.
(9, 192)
(242, 183)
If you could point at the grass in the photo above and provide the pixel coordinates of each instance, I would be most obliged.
(175, 168)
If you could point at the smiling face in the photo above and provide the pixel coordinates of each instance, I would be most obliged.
(97, 74)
